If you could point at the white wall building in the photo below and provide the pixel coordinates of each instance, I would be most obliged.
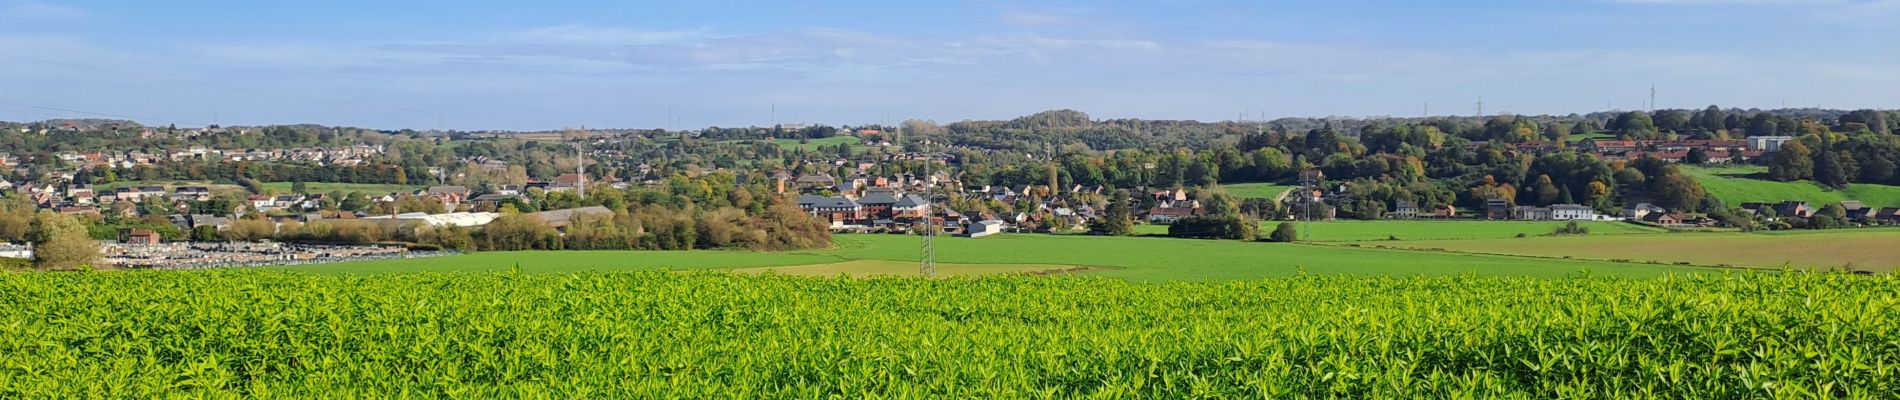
(1572, 212)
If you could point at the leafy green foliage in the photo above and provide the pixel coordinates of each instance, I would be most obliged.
(1285, 233)
(256, 334)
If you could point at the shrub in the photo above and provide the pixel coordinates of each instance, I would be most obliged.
(1285, 233)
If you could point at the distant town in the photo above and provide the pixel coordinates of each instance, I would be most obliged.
(185, 198)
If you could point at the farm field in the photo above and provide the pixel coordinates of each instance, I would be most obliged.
(327, 187)
(1132, 258)
(874, 268)
(1859, 249)
(1258, 190)
(1352, 231)
(1738, 184)
(813, 144)
(259, 334)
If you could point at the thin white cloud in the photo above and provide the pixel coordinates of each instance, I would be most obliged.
(591, 35)
(23, 9)
(1030, 18)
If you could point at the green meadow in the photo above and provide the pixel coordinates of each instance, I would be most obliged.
(812, 144)
(1852, 249)
(1257, 190)
(1142, 259)
(1746, 183)
(1354, 231)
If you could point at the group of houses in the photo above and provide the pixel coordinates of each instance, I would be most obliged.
(1501, 209)
(1855, 211)
(328, 156)
(1713, 151)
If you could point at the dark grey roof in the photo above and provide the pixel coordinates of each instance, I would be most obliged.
(805, 199)
(836, 202)
(911, 201)
(878, 198)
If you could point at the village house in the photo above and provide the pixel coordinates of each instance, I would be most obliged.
(1530, 213)
(450, 196)
(837, 210)
(1856, 211)
(985, 228)
(1887, 215)
(1172, 205)
(1497, 209)
(910, 207)
(815, 181)
(1664, 219)
(139, 237)
(568, 183)
(1639, 210)
(1767, 144)
(1572, 212)
(1794, 209)
(191, 193)
(1405, 209)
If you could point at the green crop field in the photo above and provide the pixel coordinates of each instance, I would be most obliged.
(327, 187)
(1350, 231)
(1260, 190)
(878, 268)
(1738, 184)
(255, 334)
(1132, 258)
(1857, 249)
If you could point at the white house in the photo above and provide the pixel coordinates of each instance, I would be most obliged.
(1570, 212)
(985, 228)
(1767, 144)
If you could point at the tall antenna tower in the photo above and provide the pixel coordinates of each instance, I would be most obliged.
(1480, 106)
(1652, 97)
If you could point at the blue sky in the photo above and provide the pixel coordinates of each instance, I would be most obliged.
(547, 65)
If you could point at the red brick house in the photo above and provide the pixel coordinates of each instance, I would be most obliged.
(139, 236)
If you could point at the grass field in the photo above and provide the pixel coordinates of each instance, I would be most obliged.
(870, 268)
(1258, 190)
(1351, 231)
(1574, 138)
(1738, 184)
(1859, 249)
(813, 144)
(327, 187)
(1132, 258)
(169, 185)
(254, 334)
